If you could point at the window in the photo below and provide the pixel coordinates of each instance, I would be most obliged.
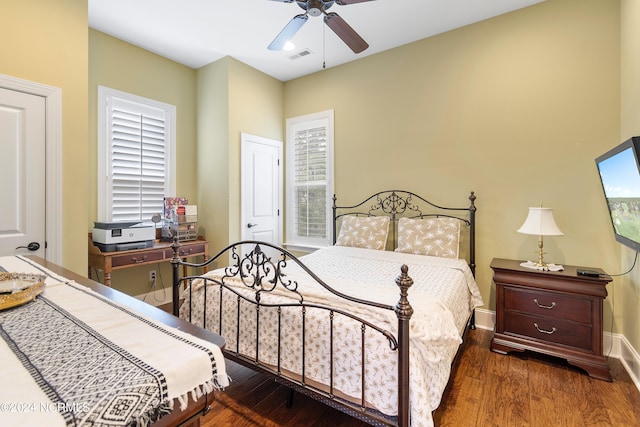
(136, 162)
(310, 179)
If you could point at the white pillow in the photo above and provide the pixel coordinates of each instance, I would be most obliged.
(429, 236)
(368, 232)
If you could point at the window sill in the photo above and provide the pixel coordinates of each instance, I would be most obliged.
(301, 247)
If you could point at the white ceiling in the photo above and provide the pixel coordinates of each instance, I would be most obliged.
(198, 32)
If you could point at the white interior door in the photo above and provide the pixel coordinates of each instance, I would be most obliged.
(261, 187)
(22, 173)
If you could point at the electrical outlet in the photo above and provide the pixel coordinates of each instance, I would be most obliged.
(152, 276)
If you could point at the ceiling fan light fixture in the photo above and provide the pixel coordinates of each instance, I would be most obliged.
(316, 8)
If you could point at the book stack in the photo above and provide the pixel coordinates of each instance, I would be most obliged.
(180, 219)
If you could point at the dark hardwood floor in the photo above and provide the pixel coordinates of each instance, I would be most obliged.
(486, 389)
(489, 389)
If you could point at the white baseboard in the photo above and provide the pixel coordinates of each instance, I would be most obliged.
(485, 319)
(629, 358)
(615, 345)
(157, 297)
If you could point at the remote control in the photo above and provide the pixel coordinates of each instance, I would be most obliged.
(588, 273)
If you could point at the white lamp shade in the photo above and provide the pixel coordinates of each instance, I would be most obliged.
(540, 222)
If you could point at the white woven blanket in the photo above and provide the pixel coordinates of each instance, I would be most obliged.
(72, 357)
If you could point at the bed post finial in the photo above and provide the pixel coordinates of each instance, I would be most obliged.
(334, 208)
(472, 198)
(472, 233)
(175, 259)
(404, 311)
(403, 308)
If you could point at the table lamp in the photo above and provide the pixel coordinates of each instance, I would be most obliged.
(540, 222)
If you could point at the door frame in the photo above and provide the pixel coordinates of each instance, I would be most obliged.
(246, 138)
(53, 158)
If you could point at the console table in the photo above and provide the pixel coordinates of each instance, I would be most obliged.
(160, 252)
(555, 313)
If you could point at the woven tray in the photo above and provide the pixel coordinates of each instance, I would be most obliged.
(19, 288)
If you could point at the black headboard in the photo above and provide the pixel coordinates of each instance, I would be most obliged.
(398, 204)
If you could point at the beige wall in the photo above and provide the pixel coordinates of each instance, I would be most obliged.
(213, 152)
(232, 98)
(628, 287)
(122, 66)
(46, 42)
(255, 107)
(515, 108)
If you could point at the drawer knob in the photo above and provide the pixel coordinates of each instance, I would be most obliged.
(543, 331)
(137, 261)
(548, 307)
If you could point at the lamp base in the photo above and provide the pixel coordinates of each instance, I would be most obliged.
(541, 264)
(545, 267)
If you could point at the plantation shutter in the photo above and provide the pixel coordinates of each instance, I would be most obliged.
(310, 182)
(310, 179)
(138, 160)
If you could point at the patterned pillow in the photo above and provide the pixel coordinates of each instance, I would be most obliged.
(430, 236)
(368, 232)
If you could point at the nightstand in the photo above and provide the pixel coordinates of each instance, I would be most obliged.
(555, 313)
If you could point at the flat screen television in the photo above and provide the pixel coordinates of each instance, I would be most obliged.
(619, 170)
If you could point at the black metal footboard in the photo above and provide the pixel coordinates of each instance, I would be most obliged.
(253, 304)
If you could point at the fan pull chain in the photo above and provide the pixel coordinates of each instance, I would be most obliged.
(324, 47)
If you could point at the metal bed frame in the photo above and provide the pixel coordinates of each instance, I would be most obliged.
(261, 274)
(398, 204)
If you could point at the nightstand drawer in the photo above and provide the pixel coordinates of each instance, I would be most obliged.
(137, 258)
(550, 330)
(548, 304)
(187, 250)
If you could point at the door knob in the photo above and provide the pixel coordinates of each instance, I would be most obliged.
(33, 246)
(251, 225)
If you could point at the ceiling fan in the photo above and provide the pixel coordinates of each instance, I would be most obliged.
(332, 19)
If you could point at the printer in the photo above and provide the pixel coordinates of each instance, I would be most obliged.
(123, 236)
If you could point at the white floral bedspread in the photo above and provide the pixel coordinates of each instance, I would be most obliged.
(442, 296)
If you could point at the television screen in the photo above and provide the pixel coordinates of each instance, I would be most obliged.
(620, 177)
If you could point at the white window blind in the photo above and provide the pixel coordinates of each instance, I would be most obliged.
(310, 179)
(138, 145)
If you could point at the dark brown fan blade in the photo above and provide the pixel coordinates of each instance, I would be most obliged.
(345, 32)
(346, 2)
